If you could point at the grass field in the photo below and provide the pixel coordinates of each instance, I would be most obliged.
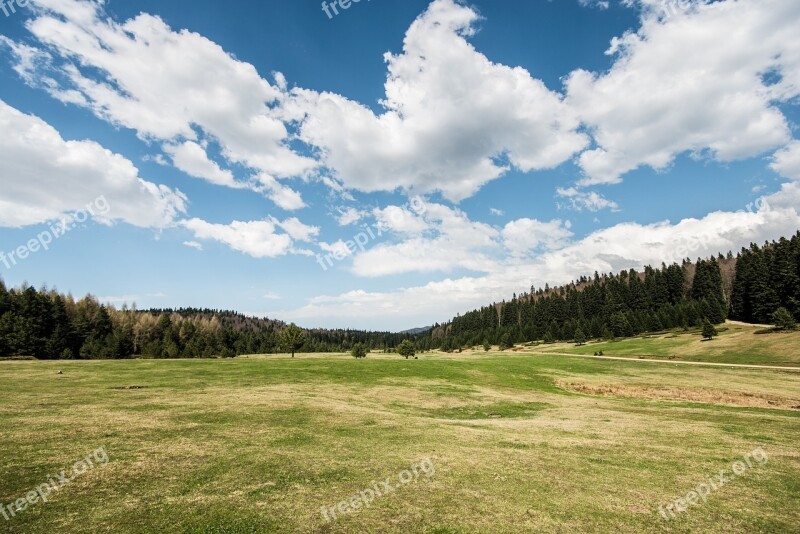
(738, 343)
(519, 443)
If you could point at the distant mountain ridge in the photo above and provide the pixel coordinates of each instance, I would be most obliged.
(416, 331)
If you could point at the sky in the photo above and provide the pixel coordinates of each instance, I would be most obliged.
(389, 164)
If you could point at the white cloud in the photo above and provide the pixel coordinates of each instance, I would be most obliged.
(693, 81)
(297, 230)
(400, 220)
(255, 238)
(161, 83)
(348, 215)
(192, 159)
(786, 161)
(496, 212)
(45, 177)
(339, 250)
(282, 195)
(193, 244)
(438, 239)
(524, 236)
(584, 200)
(623, 246)
(599, 4)
(272, 296)
(450, 113)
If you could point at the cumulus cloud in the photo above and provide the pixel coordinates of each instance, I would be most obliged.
(166, 85)
(348, 215)
(254, 238)
(282, 195)
(579, 200)
(786, 161)
(435, 238)
(297, 230)
(703, 80)
(624, 246)
(192, 159)
(524, 236)
(46, 177)
(453, 119)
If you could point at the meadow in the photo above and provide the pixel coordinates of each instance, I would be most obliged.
(520, 442)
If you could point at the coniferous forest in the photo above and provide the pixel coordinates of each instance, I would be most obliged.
(749, 287)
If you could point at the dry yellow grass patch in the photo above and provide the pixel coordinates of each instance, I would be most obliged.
(709, 396)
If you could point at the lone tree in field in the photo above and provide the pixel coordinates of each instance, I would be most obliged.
(359, 351)
(406, 349)
(580, 337)
(709, 332)
(784, 320)
(292, 338)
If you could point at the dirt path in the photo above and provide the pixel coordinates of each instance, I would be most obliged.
(739, 323)
(654, 360)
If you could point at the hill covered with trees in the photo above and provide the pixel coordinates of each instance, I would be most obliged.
(750, 287)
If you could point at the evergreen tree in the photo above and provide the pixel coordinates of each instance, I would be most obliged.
(784, 320)
(580, 338)
(292, 338)
(359, 351)
(406, 349)
(709, 331)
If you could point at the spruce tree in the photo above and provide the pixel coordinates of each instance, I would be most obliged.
(709, 331)
(580, 338)
(784, 320)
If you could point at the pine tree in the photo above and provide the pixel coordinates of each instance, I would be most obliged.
(359, 351)
(580, 338)
(784, 320)
(709, 331)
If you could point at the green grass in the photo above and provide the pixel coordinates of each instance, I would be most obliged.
(737, 344)
(520, 443)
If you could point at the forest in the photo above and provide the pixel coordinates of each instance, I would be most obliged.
(749, 287)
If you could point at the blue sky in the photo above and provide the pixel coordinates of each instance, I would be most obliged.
(474, 149)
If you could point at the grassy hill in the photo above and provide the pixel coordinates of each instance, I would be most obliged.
(738, 343)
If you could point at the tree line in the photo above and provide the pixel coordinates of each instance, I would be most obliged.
(750, 287)
(49, 325)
